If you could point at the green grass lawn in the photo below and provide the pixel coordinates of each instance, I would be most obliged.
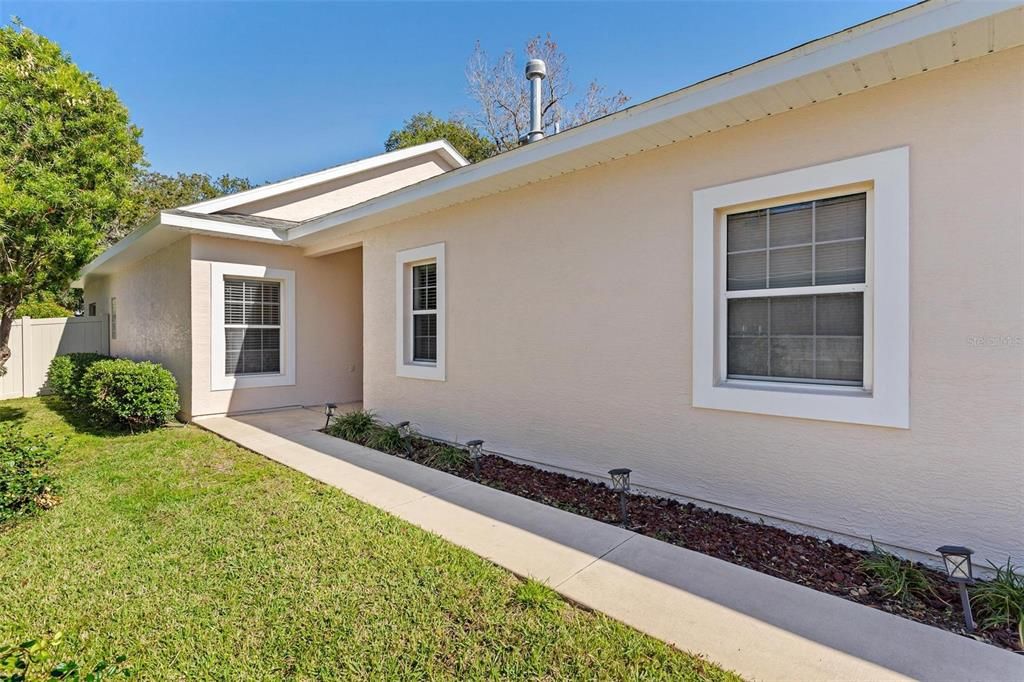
(200, 560)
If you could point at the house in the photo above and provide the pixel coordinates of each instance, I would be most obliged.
(792, 291)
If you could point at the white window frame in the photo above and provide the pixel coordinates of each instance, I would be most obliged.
(884, 399)
(113, 318)
(219, 379)
(405, 366)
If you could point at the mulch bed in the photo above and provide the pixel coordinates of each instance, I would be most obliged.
(822, 565)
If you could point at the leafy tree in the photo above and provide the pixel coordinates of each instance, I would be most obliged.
(425, 127)
(503, 99)
(152, 192)
(68, 153)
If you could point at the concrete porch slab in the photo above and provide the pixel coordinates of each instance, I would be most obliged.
(761, 627)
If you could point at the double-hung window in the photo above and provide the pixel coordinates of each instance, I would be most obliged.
(424, 313)
(795, 292)
(420, 313)
(252, 327)
(801, 283)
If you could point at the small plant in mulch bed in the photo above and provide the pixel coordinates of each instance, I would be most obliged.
(884, 582)
(898, 578)
(1000, 601)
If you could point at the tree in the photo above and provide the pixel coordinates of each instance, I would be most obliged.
(503, 100)
(425, 127)
(152, 192)
(68, 152)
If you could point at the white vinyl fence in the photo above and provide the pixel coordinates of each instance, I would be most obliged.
(35, 342)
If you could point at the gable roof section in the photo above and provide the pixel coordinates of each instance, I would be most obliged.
(226, 203)
(215, 218)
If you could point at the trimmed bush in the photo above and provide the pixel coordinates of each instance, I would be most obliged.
(41, 310)
(25, 485)
(65, 376)
(134, 394)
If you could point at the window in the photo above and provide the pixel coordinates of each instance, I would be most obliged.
(92, 310)
(252, 326)
(424, 313)
(419, 313)
(113, 318)
(786, 321)
(801, 293)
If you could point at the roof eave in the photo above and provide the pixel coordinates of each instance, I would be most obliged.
(888, 32)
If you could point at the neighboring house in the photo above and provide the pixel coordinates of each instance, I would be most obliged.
(793, 291)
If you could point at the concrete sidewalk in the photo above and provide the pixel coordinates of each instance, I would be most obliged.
(761, 627)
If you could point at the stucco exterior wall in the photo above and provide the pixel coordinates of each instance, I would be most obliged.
(348, 191)
(328, 335)
(569, 323)
(153, 312)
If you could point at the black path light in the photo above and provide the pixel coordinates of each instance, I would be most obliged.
(329, 410)
(405, 432)
(620, 482)
(476, 451)
(958, 568)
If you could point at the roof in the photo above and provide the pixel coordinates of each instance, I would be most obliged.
(441, 147)
(923, 37)
(236, 219)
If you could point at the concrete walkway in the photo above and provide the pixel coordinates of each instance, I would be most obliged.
(761, 627)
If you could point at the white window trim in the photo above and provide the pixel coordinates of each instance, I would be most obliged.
(885, 398)
(219, 380)
(404, 262)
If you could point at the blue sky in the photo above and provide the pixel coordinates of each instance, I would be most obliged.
(268, 90)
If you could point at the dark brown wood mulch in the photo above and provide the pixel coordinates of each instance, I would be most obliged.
(822, 565)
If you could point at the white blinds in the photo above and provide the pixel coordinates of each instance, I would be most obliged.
(252, 327)
(808, 244)
(802, 335)
(424, 312)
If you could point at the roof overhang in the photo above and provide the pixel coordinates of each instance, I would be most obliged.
(905, 43)
(442, 148)
(168, 227)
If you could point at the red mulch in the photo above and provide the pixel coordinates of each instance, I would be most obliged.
(822, 565)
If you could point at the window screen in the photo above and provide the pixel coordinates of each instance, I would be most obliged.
(805, 333)
(424, 312)
(252, 327)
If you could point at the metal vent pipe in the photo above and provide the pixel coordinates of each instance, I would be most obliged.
(536, 71)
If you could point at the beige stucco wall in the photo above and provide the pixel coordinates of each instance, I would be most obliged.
(153, 311)
(347, 191)
(328, 335)
(569, 308)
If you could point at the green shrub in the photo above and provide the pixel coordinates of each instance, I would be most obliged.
(25, 484)
(36, 660)
(42, 309)
(898, 578)
(353, 426)
(1000, 601)
(65, 376)
(386, 438)
(442, 456)
(134, 394)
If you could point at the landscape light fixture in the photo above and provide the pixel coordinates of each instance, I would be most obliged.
(405, 432)
(476, 451)
(958, 568)
(620, 482)
(329, 410)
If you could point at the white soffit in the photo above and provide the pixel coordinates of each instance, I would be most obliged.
(918, 39)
